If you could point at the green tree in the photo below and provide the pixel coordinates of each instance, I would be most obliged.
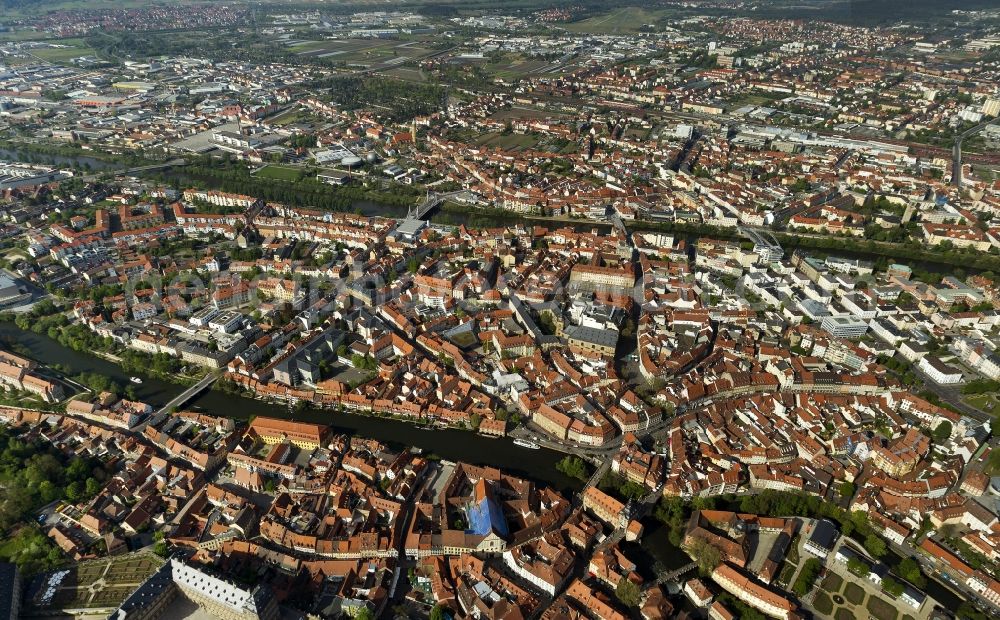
(160, 546)
(628, 593)
(942, 432)
(31, 550)
(673, 513)
(892, 586)
(365, 613)
(875, 546)
(92, 487)
(705, 555)
(74, 491)
(909, 569)
(438, 612)
(807, 576)
(574, 467)
(858, 567)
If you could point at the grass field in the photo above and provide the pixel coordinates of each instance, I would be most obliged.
(291, 117)
(68, 49)
(622, 21)
(987, 173)
(793, 552)
(21, 35)
(278, 173)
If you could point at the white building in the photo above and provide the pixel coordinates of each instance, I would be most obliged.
(938, 371)
(844, 326)
(221, 598)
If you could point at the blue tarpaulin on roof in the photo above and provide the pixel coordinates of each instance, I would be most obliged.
(485, 517)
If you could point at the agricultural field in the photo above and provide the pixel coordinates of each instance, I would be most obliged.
(71, 5)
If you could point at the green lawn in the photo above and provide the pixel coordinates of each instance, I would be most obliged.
(289, 117)
(278, 173)
(854, 593)
(121, 574)
(983, 402)
(786, 573)
(309, 46)
(844, 613)
(509, 142)
(832, 583)
(881, 609)
(793, 552)
(823, 603)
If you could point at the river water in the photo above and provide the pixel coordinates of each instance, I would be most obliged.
(452, 444)
(57, 160)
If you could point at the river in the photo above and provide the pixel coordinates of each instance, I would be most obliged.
(46, 159)
(452, 444)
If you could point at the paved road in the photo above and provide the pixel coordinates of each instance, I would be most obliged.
(956, 152)
(951, 394)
